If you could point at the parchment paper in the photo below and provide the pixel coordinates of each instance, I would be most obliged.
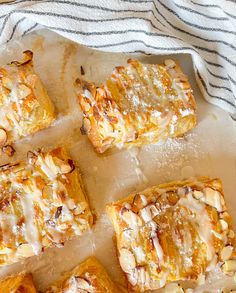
(210, 149)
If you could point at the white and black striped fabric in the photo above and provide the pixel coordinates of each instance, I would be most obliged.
(204, 28)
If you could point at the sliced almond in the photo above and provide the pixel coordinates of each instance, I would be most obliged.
(131, 219)
(213, 198)
(25, 250)
(226, 252)
(169, 63)
(229, 266)
(139, 202)
(197, 194)
(8, 150)
(224, 225)
(3, 137)
(64, 167)
(127, 260)
(83, 284)
(173, 288)
(149, 212)
(133, 277)
(86, 126)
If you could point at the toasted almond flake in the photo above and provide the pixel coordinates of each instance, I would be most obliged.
(197, 194)
(86, 126)
(82, 284)
(229, 266)
(226, 253)
(127, 260)
(131, 219)
(25, 250)
(3, 137)
(224, 225)
(213, 198)
(169, 63)
(8, 150)
(139, 202)
(173, 288)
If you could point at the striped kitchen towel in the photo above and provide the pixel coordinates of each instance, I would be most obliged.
(205, 29)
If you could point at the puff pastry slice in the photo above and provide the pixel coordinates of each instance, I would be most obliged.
(89, 276)
(138, 104)
(42, 204)
(22, 283)
(171, 232)
(25, 106)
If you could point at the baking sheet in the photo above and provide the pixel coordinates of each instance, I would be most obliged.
(210, 149)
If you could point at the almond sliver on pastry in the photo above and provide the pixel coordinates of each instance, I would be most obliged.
(22, 283)
(138, 104)
(89, 276)
(42, 204)
(25, 107)
(173, 232)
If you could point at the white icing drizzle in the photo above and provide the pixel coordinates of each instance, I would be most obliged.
(31, 230)
(201, 221)
(158, 249)
(139, 254)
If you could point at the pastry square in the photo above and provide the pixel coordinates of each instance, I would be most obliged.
(42, 204)
(138, 104)
(22, 283)
(89, 276)
(25, 106)
(174, 231)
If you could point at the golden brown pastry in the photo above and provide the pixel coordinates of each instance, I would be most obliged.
(89, 276)
(22, 283)
(24, 104)
(42, 203)
(175, 231)
(138, 104)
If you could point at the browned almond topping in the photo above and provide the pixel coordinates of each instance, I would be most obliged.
(58, 212)
(83, 284)
(86, 126)
(8, 150)
(3, 137)
(139, 202)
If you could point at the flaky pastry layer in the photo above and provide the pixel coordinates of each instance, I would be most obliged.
(42, 204)
(138, 104)
(25, 106)
(171, 232)
(89, 276)
(22, 283)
